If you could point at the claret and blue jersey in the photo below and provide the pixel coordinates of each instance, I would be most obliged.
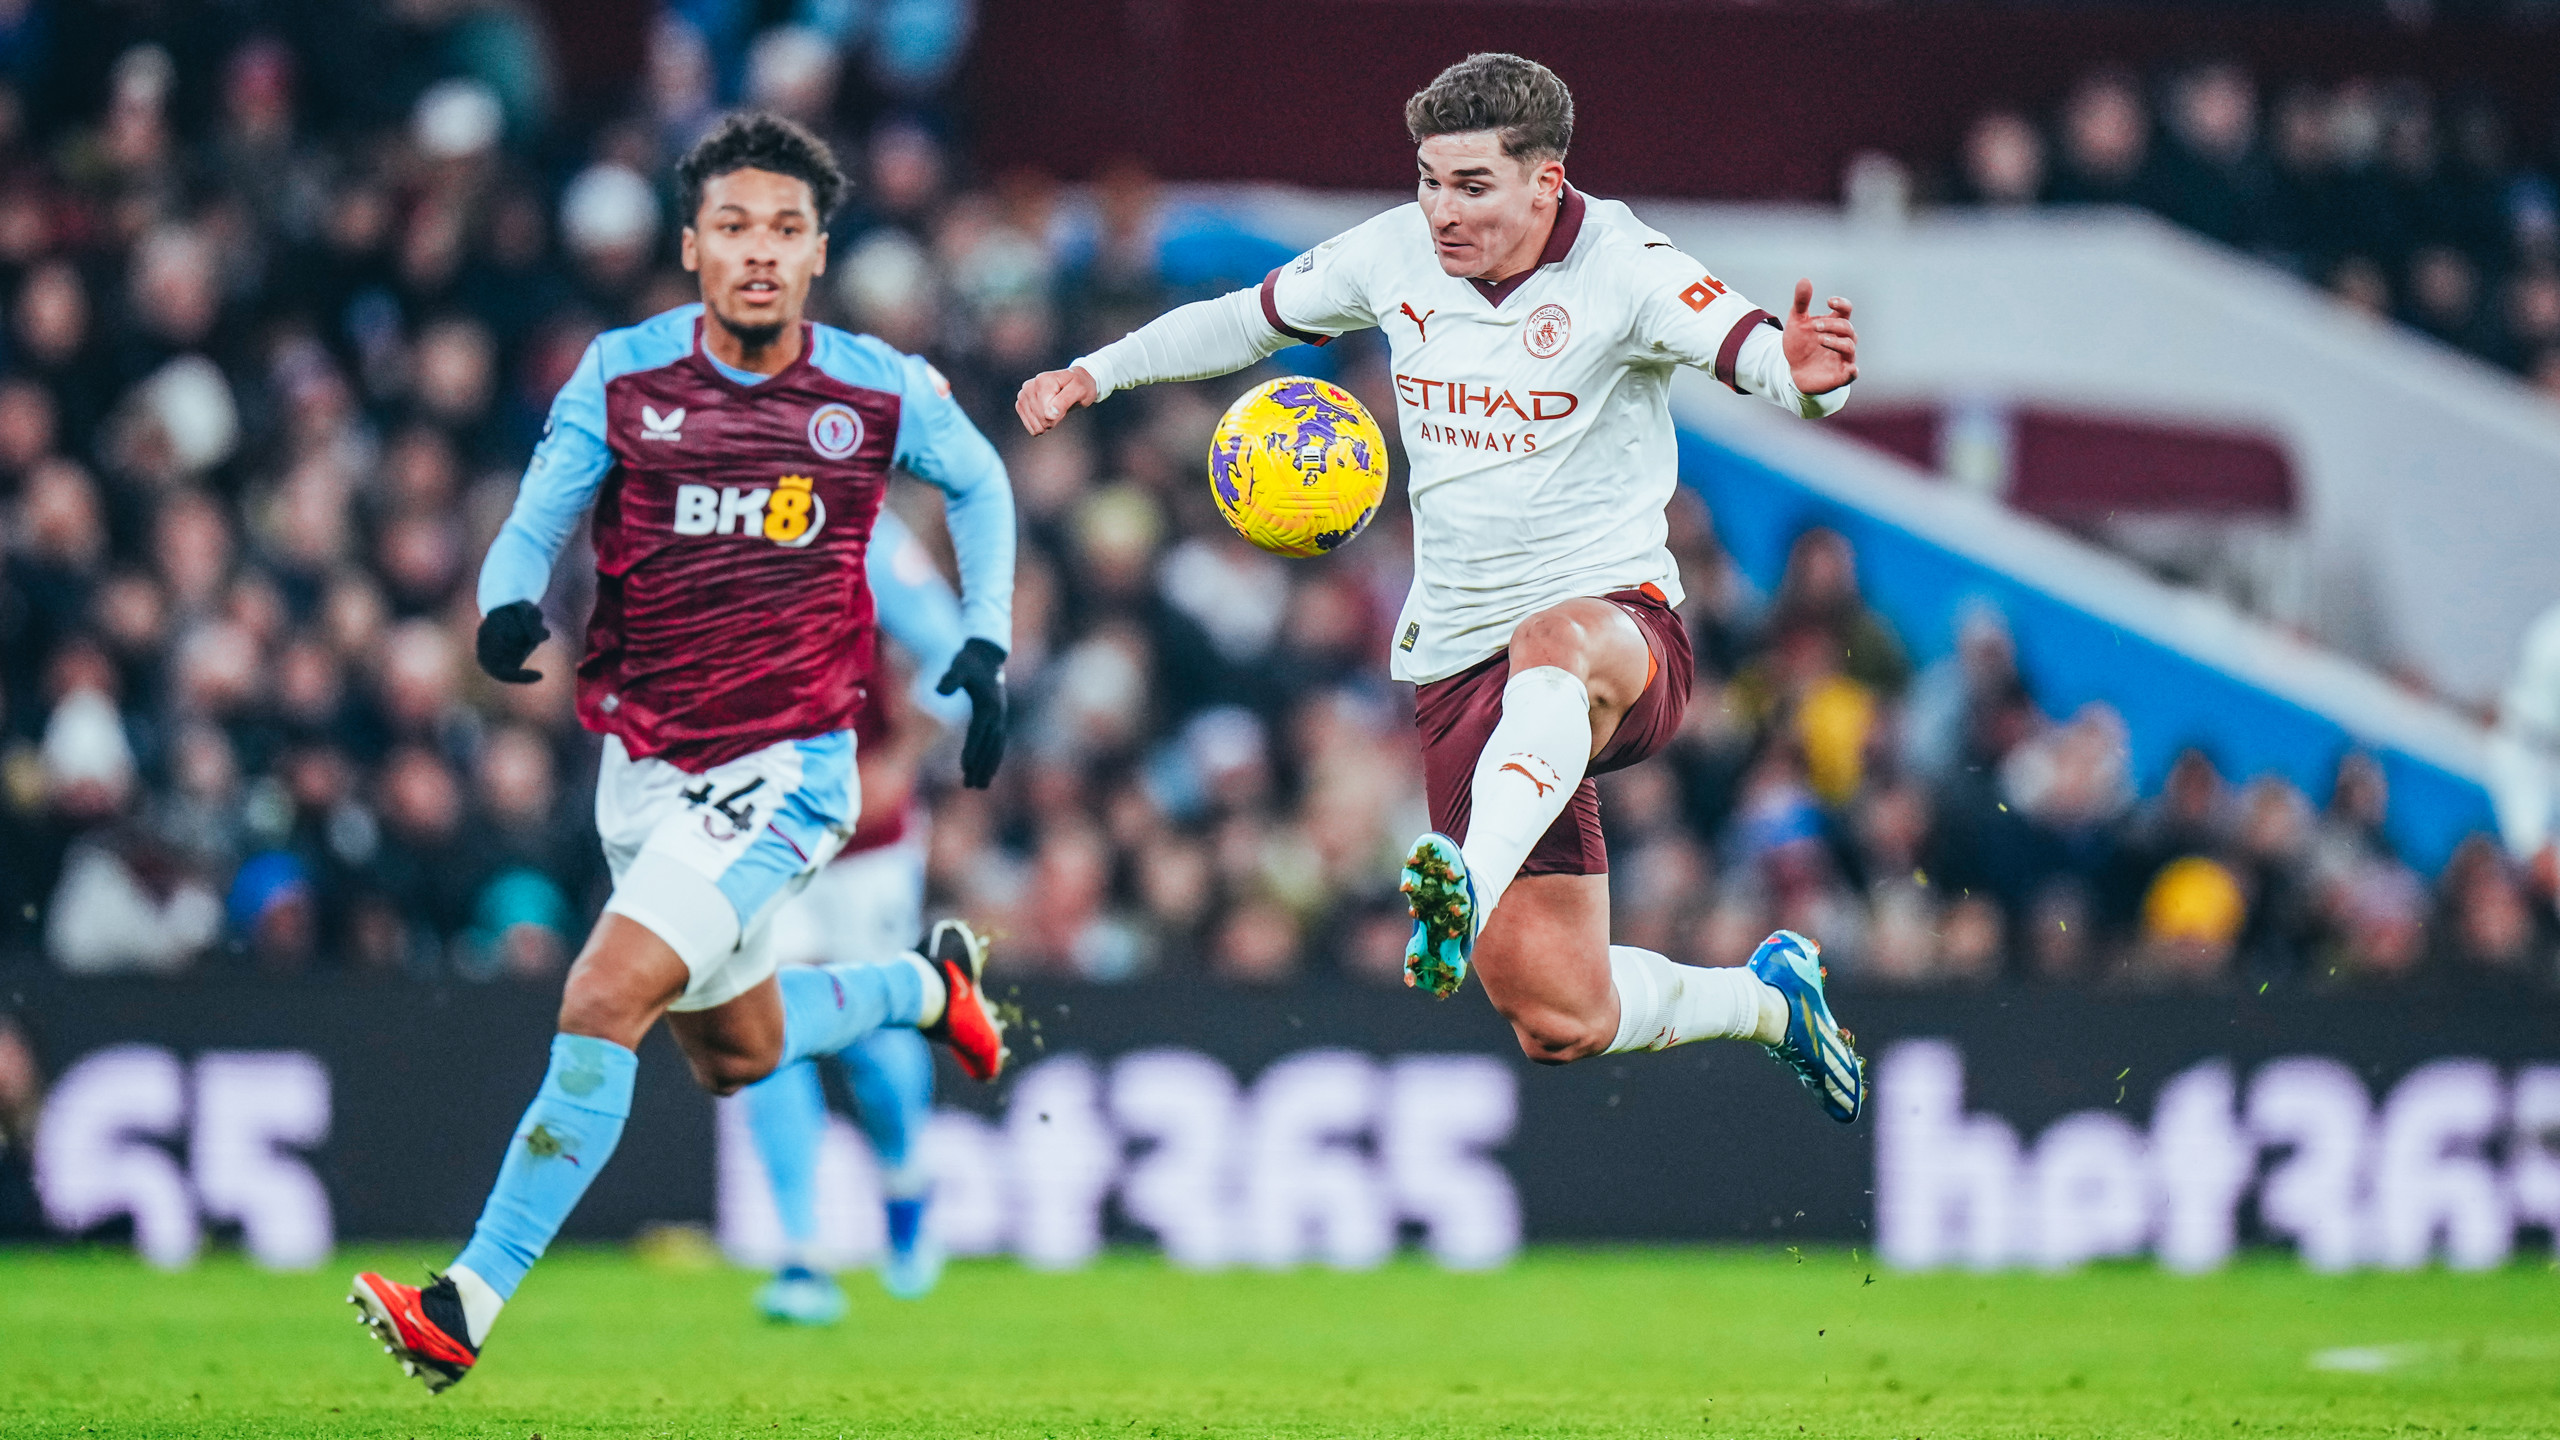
(733, 524)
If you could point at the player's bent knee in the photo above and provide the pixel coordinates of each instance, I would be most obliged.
(1550, 637)
(601, 1005)
(1551, 1037)
(622, 981)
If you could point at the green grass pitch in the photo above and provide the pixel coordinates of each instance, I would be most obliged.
(1685, 1342)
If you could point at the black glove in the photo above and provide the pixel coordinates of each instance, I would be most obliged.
(507, 635)
(979, 669)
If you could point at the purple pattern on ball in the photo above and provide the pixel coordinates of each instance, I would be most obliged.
(1226, 459)
(1319, 418)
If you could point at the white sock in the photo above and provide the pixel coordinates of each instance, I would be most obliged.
(1773, 1016)
(937, 991)
(480, 1304)
(1525, 777)
(1661, 1004)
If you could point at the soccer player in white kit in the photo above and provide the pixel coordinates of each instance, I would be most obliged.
(1534, 331)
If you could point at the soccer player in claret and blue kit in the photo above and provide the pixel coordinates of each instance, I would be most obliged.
(735, 457)
(1534, 331)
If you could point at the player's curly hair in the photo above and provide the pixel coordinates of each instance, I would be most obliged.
(759, 140)
(1519, 99)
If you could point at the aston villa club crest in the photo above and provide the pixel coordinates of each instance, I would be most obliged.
(1548, 329)
(835, 431)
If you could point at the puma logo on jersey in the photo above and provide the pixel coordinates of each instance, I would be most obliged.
(1421, 322)
(1543, 785)
(654, 426)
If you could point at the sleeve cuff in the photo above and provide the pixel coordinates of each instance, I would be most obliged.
(984, 621)
(1104, 382)
(1731, 350)
(1271, 314)
(1824, 405)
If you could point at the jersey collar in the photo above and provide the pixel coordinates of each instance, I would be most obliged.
(702, 362)
(1559, 244)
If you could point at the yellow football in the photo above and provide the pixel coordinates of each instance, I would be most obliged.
(1297, 466)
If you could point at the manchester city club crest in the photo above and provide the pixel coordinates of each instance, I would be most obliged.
(835, 431)
(1548, 328)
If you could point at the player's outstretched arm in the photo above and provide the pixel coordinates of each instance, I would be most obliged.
(918, 609)
(1191, 342)
(559, 484)
(1821, 350)
(1802, 364)
(938, 445)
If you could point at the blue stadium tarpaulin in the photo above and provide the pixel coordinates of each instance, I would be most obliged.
(2180, 668)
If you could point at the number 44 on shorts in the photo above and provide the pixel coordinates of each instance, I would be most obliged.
(740, 817)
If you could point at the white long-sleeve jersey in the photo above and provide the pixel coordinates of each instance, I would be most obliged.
(1536, 413)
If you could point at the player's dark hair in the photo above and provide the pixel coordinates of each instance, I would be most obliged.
(759, 140)
(1520, 100)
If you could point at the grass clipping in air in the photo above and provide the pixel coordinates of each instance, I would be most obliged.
(1604, 1342)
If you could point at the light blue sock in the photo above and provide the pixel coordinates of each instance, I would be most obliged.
(827, 1007)
(566, 1136)
(891, 1075)
(787, 1111)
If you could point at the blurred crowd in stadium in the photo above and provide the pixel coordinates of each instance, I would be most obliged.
(2429, 209)
(266, 386)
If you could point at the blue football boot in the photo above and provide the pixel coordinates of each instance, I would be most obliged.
(1816, 1048)
(1442, 898)
(801, 1296)
(910, 1272)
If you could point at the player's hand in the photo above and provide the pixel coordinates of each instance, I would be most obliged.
(1047, 397)
(979, 669)
(1822, 350)
(507, 635)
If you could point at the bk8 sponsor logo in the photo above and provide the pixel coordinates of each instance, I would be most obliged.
(789, 513)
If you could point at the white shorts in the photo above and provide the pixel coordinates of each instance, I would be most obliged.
(705, 860)
(862, 910)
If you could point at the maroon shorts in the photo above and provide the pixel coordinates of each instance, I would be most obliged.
(1457, 715)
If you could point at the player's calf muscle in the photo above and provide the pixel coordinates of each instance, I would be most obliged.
(1553, 1037)
(1544, 959)
(1555, 1025)
(732, 1046)
(725, 1071)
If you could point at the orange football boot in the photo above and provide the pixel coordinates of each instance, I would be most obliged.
(422, 1329)
(969, 1025)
